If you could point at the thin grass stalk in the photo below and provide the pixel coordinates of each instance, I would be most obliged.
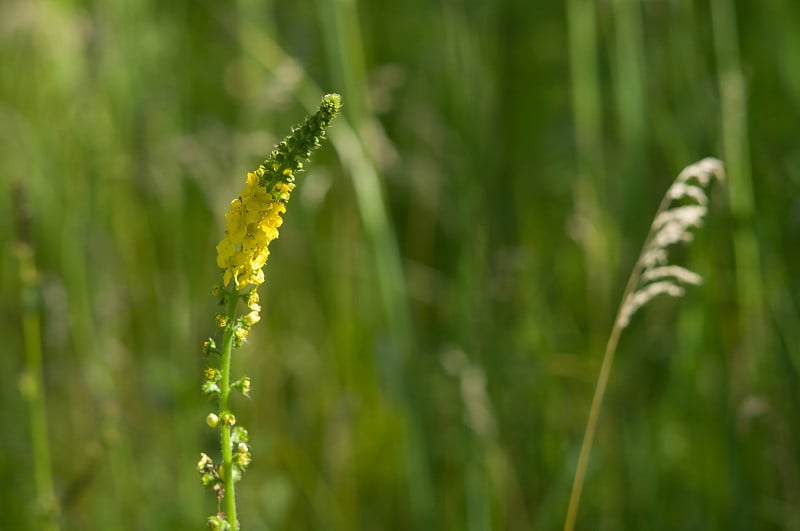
(736, 151)
(31, 384)
(600, 389)
(341, 28)
(360, 164)
(652, 270)
(587, 116)
(628, 71)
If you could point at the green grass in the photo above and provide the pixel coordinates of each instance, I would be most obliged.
(456, 253)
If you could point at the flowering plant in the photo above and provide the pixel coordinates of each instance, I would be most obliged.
(251, 223)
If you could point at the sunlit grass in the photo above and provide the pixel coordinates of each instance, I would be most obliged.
(486, 193)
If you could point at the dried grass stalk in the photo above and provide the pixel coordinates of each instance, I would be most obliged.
(682, 210)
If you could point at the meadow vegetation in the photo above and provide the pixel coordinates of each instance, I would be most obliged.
(435, 312)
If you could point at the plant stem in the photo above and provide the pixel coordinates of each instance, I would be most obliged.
(591, 425)
(341, 30)
(602, 378)
(32, 388)
(734, 101)
(225, 437)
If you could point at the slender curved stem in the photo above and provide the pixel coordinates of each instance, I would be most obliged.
(591, 426)
(602, 380)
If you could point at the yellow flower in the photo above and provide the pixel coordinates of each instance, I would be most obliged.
(241, 333)
(250, 226)
(253, 317)
(242, 455)
(253, 300)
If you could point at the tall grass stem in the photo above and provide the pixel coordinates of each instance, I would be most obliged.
(681, 210)
(31, 383)
(736, 152)
(33, 389)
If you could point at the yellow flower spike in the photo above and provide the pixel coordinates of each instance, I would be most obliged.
(251, 224)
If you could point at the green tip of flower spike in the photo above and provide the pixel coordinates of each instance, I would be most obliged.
(331, 104)
(289, 155)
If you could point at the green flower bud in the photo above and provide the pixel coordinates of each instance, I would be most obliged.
(211, 388)
(238, 434)
(210, 347)
(242, 456)
(217, 523)
(208, 479)
(242, 385)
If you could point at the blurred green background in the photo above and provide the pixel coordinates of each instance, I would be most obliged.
(438, 302)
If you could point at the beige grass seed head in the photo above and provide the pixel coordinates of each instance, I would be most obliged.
(682, 210)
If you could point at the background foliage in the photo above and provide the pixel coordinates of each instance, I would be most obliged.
(438, 301)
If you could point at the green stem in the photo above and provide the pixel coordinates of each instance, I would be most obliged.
(225, 438)
(32, 388)
(734, 101)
